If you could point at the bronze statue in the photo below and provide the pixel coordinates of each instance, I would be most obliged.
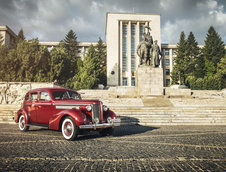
(143, 48)
(155, 52)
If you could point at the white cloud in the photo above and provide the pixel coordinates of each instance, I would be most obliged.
(50, 20)
(211, 13)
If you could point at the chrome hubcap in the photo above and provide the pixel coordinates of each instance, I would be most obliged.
(68, 128)
(22, 122)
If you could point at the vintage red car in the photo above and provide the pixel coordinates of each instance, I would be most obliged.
(63, 109)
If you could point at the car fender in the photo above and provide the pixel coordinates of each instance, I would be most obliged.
(109, 113)
(17, 115)
(76, 115)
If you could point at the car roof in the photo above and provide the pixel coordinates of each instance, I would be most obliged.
(50, 89)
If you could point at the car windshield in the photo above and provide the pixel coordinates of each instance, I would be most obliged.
(65, 95)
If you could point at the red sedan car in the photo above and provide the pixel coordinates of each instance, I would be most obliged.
(62, 109)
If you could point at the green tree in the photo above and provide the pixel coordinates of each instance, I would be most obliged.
(70, 45)
(221, 72)
(101, 55)
(212, 51)
(192, 55)
(13, 65)
(86, 78)
(27, 52)
(20, 36)
(199, 65)
(59, 65)
(42, 65)
(178, 72)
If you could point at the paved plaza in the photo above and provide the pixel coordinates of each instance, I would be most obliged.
(132, 148)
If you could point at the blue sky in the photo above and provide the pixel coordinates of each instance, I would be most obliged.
(50, 20)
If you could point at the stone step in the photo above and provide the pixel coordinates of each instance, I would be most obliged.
(171, 112)
(173, 123)
(151, 115)
(174, 116)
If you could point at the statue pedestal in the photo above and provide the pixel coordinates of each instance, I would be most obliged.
(149, 81)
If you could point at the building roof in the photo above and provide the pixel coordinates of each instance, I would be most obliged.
(7, 29)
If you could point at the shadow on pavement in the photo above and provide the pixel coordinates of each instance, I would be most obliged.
(130, 126)
(127, 130)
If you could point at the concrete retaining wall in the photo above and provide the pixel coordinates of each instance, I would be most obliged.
(13, 92)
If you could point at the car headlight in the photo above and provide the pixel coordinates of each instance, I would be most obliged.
(89, 108)
(105, 108)
(96, 120)
(109, 120)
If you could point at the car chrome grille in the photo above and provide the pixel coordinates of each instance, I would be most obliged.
(102, 112)
(96, 111)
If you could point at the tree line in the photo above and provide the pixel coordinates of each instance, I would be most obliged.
(200, 68)
(27, 61)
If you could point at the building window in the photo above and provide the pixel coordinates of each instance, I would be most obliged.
(44, 96)
(124, 47)
(124, 81)
(79, 50)
(167, 62)
(86, 50)
(166, 52)
(133, 30)
(167, 82)
(34, 96)
(167, 71)
(133, 81)
(133, 62)
(141, 29)
(133, 48)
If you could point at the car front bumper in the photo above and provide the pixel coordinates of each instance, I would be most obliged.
(114, 123)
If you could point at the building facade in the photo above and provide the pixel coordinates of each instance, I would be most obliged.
(82, 46)
(8, 36)
(123, 33)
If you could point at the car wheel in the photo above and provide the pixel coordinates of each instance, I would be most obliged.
(107, 132)
(69, 129)
(22, 125)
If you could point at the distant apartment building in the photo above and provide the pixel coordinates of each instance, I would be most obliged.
(82, 46)
(8, 36)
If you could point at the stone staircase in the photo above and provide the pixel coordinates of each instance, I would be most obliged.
(171, 115)
(7, 113)
(151, 115)
(151, 110)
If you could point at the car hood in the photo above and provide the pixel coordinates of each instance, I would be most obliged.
(76, 102)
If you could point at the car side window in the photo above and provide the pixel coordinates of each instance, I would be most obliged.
(74, 95)
(34, 96)
(27, 97)
(44, 96)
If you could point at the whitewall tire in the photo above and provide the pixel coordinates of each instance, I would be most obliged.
(69, 129)
(22, 124)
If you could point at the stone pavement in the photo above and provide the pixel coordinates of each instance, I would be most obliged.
(132, 148)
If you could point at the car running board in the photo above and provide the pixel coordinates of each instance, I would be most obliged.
(39, 125)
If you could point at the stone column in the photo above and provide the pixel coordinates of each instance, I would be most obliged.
(137, 42)
(129, 53)
(120, 54)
